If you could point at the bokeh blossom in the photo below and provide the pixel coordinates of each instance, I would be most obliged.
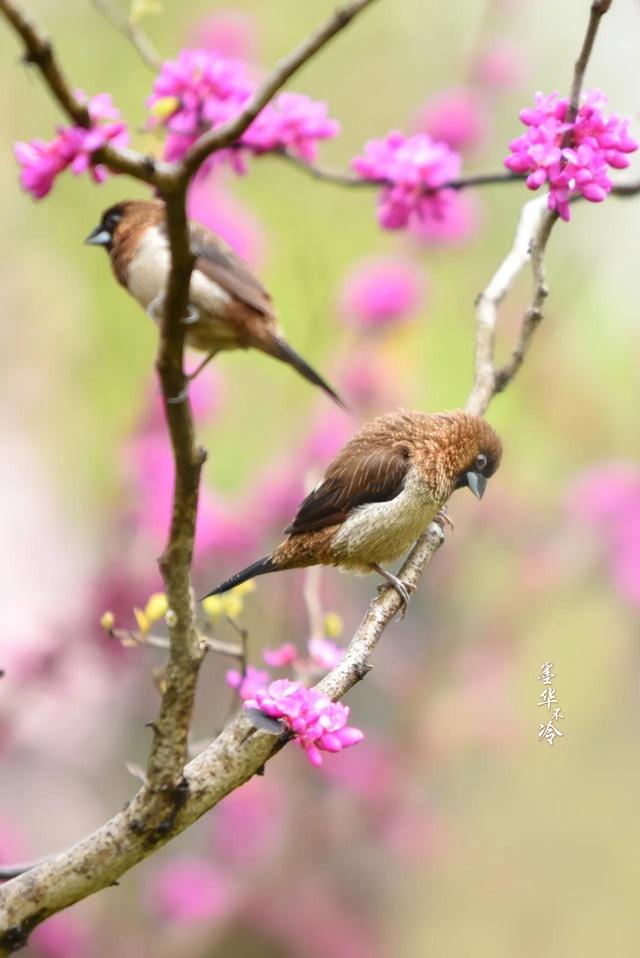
(316, 721)
(500, 65)
(416, 168)
(213, 206)
(459, 226)
(607, 499)
(284, 655)
(324, 653)
(74, 146)
(573, 157)
(247, 685)
(188, 890)
(201, 89)
(455, 116)
(382, 292)
(231, 33)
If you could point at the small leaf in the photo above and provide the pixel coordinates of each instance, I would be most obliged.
(156, 606)
(264, 722)
(333, 625)
(165, 107)
(143, 623)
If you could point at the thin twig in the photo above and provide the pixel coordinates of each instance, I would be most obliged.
(532, 235)
(131, 32)
(350, 181)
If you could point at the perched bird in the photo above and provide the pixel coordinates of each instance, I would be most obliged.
(380, 493)
(228, 307)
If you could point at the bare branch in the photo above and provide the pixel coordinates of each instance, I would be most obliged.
(532, 235)
(40, 53)
(131, 32)
(598, 10)
(350, 181)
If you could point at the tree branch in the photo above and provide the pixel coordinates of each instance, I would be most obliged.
(174, 797)
(228, 133)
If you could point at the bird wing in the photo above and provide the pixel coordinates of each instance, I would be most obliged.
(351, 481)
(219, 263)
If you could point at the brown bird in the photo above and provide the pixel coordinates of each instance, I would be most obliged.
(228, 307)
(380, 493)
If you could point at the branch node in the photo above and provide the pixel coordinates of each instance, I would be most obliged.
(39, 56)
(362, 669)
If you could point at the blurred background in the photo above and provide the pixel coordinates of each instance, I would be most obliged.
(452, 829)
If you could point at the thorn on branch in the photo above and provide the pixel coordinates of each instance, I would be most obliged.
(362, 669)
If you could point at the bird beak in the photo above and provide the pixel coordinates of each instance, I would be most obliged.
(98, 237)
(477, 484)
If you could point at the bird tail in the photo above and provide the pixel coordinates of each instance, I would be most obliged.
(287, 354)
(261, 567)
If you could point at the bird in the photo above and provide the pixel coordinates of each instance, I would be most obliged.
(381, 491)
(228, 306)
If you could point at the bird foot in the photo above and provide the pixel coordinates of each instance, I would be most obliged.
(155, 310)
(443, 519)
(403, 589)
(192, 316)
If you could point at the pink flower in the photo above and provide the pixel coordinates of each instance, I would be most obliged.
(324, 653)
(74, 147)
(316, 721)
(580, 167)
(249, 685)
(189, 889)
(207, 90)
(292, 122)
(416, 169)
(382, 292)
(458, 227)
(455, 116)
(282, 656)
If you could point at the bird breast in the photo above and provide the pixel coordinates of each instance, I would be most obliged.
(148, 275)
(382, 531)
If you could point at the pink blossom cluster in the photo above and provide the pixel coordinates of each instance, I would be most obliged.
(572, 156)
(413, 170)
(74, 146)
(202, 90)
(316, 721)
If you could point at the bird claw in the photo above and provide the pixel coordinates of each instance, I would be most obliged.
(443, 519)
(176, 400)
(403, 589)
(155, 310)
(192, 316)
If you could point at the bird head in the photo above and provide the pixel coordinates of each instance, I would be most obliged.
(125, 224)
(464, 453)
(106, 230)
(479, 452)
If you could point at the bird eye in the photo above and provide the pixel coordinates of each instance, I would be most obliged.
(112, 220)
(481, 462)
